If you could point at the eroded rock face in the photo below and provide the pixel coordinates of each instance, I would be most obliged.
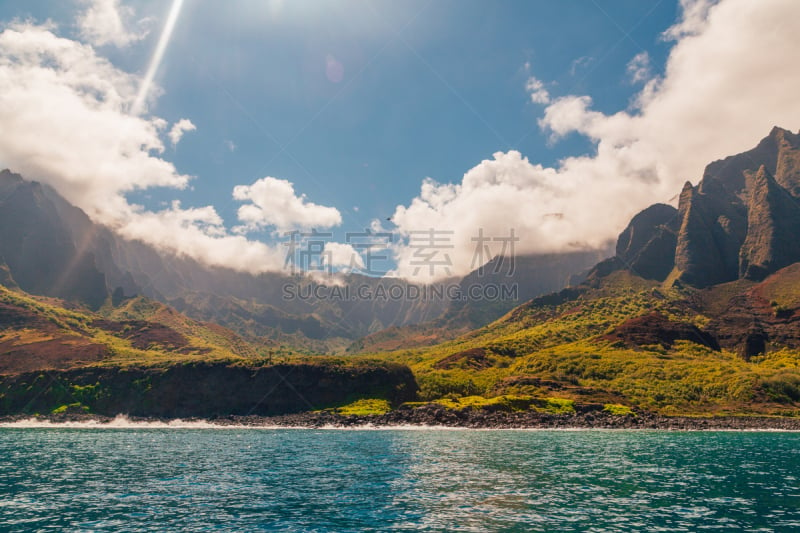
(647, 246)
(773, 227)
(778, 152)
(740, 221)
(750, 326)
(656, 329)
(474, 359)
(713, 227)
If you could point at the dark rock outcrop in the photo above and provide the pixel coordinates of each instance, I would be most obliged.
(778, 152)
(656, 329)
(205, 389)
(587, 416)
(773, 227)
(472, 359)
(753, 323)
(712, 230)
(647, 245)
(740, 221)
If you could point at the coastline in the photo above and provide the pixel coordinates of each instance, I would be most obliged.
(428, 417)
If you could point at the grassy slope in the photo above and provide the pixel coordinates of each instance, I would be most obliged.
(50, 320)
(57, 322)
(538, 350)
(554, 350)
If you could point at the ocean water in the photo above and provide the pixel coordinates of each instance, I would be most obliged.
(146, 478)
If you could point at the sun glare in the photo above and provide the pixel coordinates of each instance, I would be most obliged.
(158, 56)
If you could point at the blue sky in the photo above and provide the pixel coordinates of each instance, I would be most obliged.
(433, 100)
(429, 89)
(357, 103)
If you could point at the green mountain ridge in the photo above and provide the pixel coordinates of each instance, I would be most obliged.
(143, 358)
(698, 313)
(52, 248)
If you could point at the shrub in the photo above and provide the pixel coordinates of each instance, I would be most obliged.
(433, 387)
(372, 406)
(782, 388)
(555, 406)
(617, 409)
(505, 403)
(70, 408)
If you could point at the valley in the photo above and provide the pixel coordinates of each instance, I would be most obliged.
(697, 313)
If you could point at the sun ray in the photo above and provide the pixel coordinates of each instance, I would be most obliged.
(158, 56)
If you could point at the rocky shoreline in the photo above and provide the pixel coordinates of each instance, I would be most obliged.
(437, 416)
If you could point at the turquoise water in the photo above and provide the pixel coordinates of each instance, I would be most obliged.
(435, 480)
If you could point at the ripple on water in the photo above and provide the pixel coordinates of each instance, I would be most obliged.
(156, 478)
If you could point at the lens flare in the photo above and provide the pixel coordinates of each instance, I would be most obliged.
(158, 56)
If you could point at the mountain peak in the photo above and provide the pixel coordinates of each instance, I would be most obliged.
(740, 221)
(773, 222)
(6, 173)
(777, 133)
(647, 245)
(9, 181)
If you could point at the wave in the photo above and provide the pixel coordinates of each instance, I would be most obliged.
(123, 422)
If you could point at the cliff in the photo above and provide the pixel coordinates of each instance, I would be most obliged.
(205, 389)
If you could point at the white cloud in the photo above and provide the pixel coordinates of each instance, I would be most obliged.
(199, 233)
(179, 128)
(338, 254)
(694, 18)
(107, 22)
(230, 145)
(729, 78)
(579, 64)
(566, 114)
(639, 67)
(67, 109)
(64, 114)
(273, 202)
(539, 95)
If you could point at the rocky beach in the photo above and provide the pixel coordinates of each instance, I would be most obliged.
(435, 416)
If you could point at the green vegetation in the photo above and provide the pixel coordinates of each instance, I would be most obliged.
(48, 309)
(783, 291)
(618, 409)
(544, 355)
(555, 406)
(137, 332)
(76, 407)
(504, 402)
(366, 407)
(498, 403)
(564, 351)
(436, 385)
